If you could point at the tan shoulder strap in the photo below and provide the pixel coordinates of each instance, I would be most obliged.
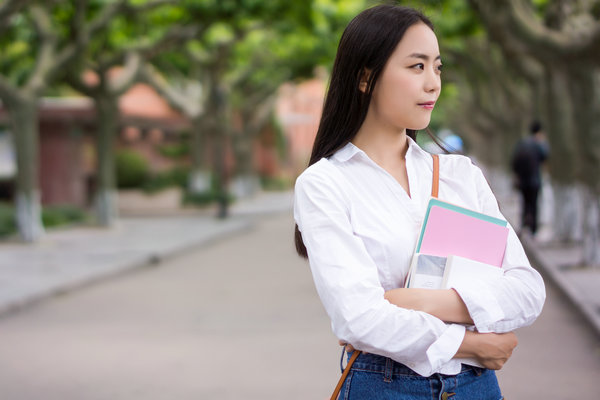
(336, 392)
(435, 185)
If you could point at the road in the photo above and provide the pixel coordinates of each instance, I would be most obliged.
(239, 319)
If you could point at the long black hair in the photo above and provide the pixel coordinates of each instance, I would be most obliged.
(364, 49)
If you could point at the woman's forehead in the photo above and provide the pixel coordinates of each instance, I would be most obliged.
(419, 39)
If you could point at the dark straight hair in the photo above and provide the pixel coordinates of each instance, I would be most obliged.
(366, 45)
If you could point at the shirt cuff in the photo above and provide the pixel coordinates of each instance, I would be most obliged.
(482, 305)
(446, 346)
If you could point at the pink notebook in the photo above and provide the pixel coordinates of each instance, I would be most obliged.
(449, 232)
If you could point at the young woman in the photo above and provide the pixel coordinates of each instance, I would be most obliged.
(359, 207)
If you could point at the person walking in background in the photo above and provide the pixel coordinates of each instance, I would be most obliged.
(527, 160)
(359, 207)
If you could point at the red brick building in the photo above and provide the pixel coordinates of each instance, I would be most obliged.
(67, 146)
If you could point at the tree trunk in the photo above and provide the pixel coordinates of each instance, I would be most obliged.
(105, 200)
(221, 134)
(585, 96)
(25, 129)
(220, 123)
(567, 225)
(562, 162)
(220, 174)
(246, 182)
(199, 181)
(591, 238)
(585, 99)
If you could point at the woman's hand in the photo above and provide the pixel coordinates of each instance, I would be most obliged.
(491, 350)
(349, 348)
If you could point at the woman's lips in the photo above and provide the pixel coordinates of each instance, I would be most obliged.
(427, 105)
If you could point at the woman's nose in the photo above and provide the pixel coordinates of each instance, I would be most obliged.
(433, 82)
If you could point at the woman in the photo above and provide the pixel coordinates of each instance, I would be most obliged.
(359, 207)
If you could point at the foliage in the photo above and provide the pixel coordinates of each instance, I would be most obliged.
(209, 197)
(131, 168)
(133, 172)
(52, 216)
(7, 219)
(175, 177)
(174, 150)
(276, 183)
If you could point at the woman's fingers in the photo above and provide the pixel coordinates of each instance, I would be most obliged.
(349, 347)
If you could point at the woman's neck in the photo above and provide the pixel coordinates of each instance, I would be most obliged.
(384, 146)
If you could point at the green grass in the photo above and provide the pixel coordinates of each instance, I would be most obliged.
(52, 216)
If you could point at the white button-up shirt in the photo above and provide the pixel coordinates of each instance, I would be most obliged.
(360, 228)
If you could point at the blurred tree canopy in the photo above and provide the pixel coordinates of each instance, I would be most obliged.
(239, 50)
(220, 63)
(511, 61)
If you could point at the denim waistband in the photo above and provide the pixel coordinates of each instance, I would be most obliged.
(376, 363)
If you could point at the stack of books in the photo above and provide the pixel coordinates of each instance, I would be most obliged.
(456, 243)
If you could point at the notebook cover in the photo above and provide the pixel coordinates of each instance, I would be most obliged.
(448, 231)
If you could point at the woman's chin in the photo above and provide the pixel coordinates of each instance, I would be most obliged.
(419, 127)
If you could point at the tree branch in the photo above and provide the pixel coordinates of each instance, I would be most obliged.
(7, 90)
(190, 107)
(133, 63)
(175, 35)
(85, 33)
(46, 53)
(514, 21)
(9, 8)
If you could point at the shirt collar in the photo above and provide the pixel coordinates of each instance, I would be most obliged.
(350, 150)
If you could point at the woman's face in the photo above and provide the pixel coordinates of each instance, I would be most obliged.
(410, 83)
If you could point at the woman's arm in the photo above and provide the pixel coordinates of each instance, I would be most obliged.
(444, 304)
(491, 350)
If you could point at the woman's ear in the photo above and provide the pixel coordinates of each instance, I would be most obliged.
(364, 80)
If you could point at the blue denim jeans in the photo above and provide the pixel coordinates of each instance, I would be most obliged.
(376, 377)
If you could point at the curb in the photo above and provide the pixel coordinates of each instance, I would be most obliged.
(146, 260)
(555, 276)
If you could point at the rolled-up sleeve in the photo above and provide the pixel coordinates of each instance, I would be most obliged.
(512, 301)
(347, 282)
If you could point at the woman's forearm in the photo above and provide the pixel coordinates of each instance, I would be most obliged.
(444, 304)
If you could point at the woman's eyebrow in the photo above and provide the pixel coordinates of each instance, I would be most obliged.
(423, 56)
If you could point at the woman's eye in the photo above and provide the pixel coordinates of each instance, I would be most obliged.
(419, 66)
(439, 68)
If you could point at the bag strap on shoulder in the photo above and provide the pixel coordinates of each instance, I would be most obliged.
(435, 186)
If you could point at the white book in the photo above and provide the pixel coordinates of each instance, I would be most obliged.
(459, 268)
(426, 272)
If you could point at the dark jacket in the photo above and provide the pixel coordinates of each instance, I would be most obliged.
(527, 158)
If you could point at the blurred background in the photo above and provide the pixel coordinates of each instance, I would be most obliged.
(132, 130)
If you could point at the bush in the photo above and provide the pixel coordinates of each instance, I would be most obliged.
(61, 215)
(51, 217)
(7, 219)
(275, 183)
(132, 169)
(176, 177)
(207, 197)
(174, 151)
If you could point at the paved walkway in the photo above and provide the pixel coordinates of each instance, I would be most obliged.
(66, 259)
(239, 319)
(558, 262)
(163, 329)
